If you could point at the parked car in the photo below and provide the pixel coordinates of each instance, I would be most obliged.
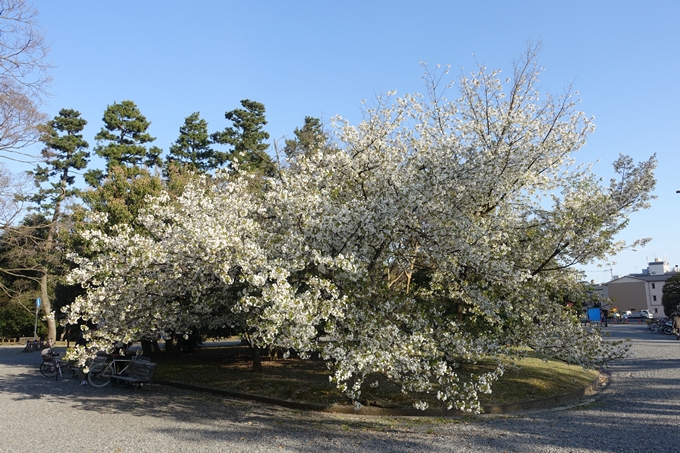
(644, 314)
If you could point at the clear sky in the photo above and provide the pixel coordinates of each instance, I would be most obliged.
(321, 58)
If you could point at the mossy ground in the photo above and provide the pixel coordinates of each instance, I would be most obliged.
(308, 380)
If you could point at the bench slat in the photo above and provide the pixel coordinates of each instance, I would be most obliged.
(138, 372)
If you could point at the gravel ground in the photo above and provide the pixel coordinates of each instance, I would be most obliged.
(637, 412)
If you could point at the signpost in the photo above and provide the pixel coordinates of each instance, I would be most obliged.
(35, 329)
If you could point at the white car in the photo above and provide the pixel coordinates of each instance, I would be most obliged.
(644, 314)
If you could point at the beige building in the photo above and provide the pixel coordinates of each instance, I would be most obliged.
(643, 291)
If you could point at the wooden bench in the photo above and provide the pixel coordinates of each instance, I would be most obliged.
(32, 345)
(140, 371)
(100, 358)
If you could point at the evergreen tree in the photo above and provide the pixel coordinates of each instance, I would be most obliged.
(65, 150)
(122, 141)
(671, 295)
(17, 318)
(309, 139)
(61, 154)
(247, 138)
(192, 149)
(121, 196)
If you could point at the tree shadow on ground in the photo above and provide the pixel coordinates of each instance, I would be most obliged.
(199, 417)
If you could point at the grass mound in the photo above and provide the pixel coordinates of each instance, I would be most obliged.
(294, 379)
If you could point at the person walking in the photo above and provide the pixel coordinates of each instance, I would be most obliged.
(604, 315)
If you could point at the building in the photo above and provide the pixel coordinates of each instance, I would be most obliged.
(642, 291)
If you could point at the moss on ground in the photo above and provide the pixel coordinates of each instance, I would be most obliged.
(308, 380)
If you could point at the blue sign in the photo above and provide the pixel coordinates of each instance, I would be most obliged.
(594, 314)
(37, 302)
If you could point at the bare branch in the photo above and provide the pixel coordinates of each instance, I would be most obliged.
(24, 76)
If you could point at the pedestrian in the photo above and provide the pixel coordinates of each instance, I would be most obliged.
(604, 314)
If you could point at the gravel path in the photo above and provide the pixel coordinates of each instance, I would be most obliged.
(637, 412)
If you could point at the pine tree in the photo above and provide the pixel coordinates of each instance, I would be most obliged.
(122, 141)
(309, 139)
(61, 154)
(192, 149)
(247, 138)
(65, 150)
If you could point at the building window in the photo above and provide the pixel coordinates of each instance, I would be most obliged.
(653, 286)
(654, 298)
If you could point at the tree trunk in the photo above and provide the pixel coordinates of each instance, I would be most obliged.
(170, 344)
(257, 359)
(49, 245)
(147, 349)
(47, 308)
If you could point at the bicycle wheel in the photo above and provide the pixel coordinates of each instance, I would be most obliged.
(47, 369)
(100, 375)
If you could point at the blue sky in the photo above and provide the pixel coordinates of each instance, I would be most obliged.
(304, 58)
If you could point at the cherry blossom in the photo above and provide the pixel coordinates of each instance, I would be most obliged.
(431, 235)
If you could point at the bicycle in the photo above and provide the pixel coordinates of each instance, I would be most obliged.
(657, 325)
(51, 366)
(101, 371)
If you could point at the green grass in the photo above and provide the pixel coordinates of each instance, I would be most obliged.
(308, 380)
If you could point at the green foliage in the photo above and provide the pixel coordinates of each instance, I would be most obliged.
(309, 139)
(247, 138)
(192, 151)
(671, 295)
(18, 320)
(61, 154)
(177, 178)
(564, 291)
(122, 195)
(120, 191)
(122, 141)
(36, 254)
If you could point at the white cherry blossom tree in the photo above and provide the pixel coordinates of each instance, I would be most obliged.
(435, 234)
